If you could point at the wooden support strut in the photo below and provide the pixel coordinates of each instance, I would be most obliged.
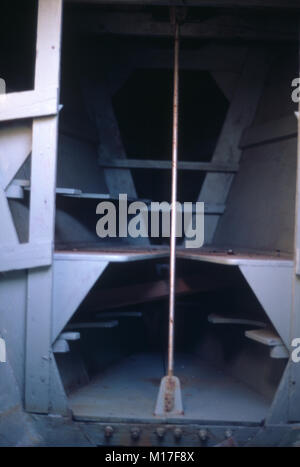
(162, 165)
(42, 212)
(242, 109)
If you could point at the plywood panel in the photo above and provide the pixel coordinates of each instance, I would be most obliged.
(261, 205)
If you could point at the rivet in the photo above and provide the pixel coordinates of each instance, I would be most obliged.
(160, 432)
(108, 431)
(178, 433)
(203, 435)
(135, 433)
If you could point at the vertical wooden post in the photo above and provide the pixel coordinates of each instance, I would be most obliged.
(42, 211)
(294, 380)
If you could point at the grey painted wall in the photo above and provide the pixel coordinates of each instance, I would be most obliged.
(77, 166)
(261, 203)
(12, 327)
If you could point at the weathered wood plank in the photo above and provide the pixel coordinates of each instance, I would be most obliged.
(43, 179)
(216, 318)
(24, 256)
(166, 164)
(42, 212)
(264, 336)
(28, 104)
(48, 45)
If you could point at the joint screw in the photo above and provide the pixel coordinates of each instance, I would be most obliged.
(108, 431)
(203, 435)
(160, 432)
(135, 433)
(228, 433)
(178, 433)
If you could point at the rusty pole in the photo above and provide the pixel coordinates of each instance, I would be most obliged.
(173, 205)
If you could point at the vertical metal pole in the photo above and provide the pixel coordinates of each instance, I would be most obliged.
(173, 206)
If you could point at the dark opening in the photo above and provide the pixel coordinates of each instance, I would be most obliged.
(18, 20)
(143, 108)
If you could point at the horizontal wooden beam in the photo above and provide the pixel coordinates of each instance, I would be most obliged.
(28, 104)
(165, 164)
(274, 4)
(271, 131)
(25, 256)
(264, 336)
(149, 291)
(222, 26)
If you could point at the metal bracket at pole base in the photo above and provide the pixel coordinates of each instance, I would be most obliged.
(169, 400)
